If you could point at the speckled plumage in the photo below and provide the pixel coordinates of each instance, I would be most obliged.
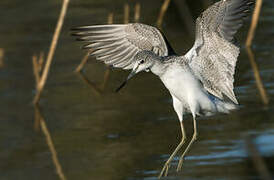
(117, 44)
(213, 56)
(200, 82)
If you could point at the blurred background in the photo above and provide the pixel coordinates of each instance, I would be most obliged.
(83, 130)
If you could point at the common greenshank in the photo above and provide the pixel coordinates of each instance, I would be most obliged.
(200, 82)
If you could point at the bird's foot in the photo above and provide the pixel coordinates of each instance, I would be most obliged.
(164, 171)
(180, 164)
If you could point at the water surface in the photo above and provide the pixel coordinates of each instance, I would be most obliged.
(131, 134)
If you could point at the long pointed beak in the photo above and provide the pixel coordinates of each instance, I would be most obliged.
(133, 72)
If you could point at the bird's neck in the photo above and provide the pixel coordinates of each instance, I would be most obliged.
(158, 68)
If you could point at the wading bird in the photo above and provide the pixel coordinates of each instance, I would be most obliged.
(200, 82)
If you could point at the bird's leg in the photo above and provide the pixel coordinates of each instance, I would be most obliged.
(167, 164)
(179, 110)
(179, 167)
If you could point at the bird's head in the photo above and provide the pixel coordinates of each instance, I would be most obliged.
(143, 61)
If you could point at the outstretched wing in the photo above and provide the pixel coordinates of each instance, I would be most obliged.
(117, 44)
(214, 54)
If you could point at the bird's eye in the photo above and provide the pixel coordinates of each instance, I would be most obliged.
(142, 62)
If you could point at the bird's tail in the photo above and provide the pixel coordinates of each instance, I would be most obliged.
(225, 106)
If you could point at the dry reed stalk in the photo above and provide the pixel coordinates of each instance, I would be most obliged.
(257, 77)
(37, 67)
(162, 12)
(41, 61)
(36, 71)
(137, 12)
(49, 141)
(2, 53)
(110, 18)
(126, 13)
(254, 23)
(85, 58)
(51, 51)
(258, 160)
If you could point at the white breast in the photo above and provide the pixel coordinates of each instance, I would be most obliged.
(181, 83)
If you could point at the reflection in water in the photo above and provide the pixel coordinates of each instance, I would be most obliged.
(97, 89)
(257, 160)
(106, 78)
(40, 122)
(2, 52)
(119, 136)
(257, 76)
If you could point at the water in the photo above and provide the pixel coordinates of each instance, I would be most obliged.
(128, 135)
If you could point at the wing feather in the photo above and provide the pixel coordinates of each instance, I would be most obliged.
(117, 44)
(214, 54)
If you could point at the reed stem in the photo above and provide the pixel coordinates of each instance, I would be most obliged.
(40, 119)
(257, 77)
(137, 12)
(258, 160)
(36, 70)
(162, 13)
(2, 53)
(126, 13)
(54, 41)
(254, 23)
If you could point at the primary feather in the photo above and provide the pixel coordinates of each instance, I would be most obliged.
(214, 54)
(212, 58)
(117, 44)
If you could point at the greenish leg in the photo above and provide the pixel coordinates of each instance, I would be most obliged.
(167, 164)
(194, 137)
